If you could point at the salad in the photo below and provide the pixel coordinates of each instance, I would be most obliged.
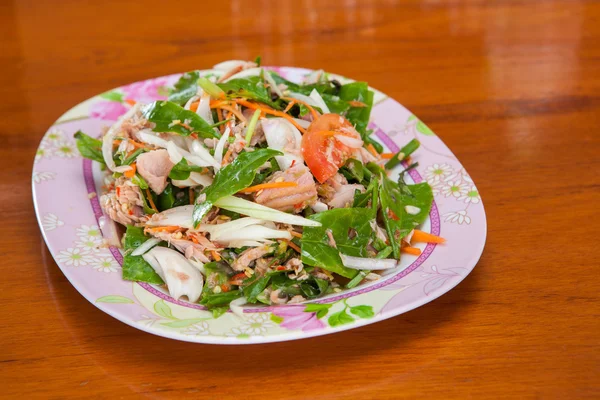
(244, 187)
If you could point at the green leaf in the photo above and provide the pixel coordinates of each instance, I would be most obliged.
(322, 88)
(424, 129)
(255, 288)
(276, 319)
(185, 88)
(231, 179)
(358, 116)
(135, 268)
(114, 299)
(252, 87)
(317, 307)
(340, 221)
(314, 287)
(339, 318)
(171, 117)
(163, 309)
(181, 170)
(182, 323)
(112, 96)
(89, 147)
(212, 300)
(171, 197)
(362, 311)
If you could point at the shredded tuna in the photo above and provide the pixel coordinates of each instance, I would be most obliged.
(276, 299)
(124, 203)
(296, 299)
(155, 167)
(236, 69)
(249, 255)
(187, 247)
(344, 196)
(294, 198)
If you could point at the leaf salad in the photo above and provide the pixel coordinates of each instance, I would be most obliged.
(244, 187)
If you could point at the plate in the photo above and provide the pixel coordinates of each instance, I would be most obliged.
(65, 194)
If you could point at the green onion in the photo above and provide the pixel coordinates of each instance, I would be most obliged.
(220, 123)
(384, 253)
(251, 126)
(139, 181)
(357, 279)
(133, 156)
(402, 154)
(210, 88)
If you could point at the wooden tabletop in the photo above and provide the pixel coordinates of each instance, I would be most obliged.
(511, 86)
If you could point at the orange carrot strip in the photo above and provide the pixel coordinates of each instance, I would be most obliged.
(192, 196)
(272, 185)
(296, 234)
(355, 103)
(294, 246)
(194, 106)
(372, 150)
(266, 110)
(150, 199)
(411, 250)
(227, 155)
(314, 113)
(420, 236)
(131, 172)
(164, 228)
(386, 156)
(215, 255)
(289, 106)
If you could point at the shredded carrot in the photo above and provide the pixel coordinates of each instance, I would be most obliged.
(131, 172)
(386, 156)
(296, 234)
(235, 112)
(268, 110)
(131, 102)
(215, 255)
(237, 279)
(372, 150)
(411, 250)
(194, 106)
(118, 190)
(314, 113)
(227, 155)
(289, 106)
(420, 236)
(271, 185)
(192, 197)
(355, 103)
(172, 228)
(225, 288)
(194, 239)
(280, 268)
(150, 200)
(392, 215)
(294, 246)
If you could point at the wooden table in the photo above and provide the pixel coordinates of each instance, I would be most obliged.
(511, 86)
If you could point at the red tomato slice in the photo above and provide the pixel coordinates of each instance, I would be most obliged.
(323, 154)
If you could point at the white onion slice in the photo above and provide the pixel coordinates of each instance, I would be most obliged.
(149, 137)
(319, 206)
(145, 247)
(109, 137)
(282, 135)
(302, 122)
(220, 229)
(109, 231)
(236, 306)
(245, 73)
(195, 179)
(174, 153)
(304, 98)
(351, 142)
(176, 216)
(201, 151)
(190, 101)
(272, 83)
(368, 263)
(319, 100)
(221, 147)
(181, 277)
(256, 210)
(203, 109)
(228, 65)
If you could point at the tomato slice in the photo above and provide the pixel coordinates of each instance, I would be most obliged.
(323, 154)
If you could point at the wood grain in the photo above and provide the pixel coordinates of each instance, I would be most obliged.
(511, 86)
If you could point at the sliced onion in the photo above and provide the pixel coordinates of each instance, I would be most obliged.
(282, 135)
(109, 231)
(199, 150)
(319, 207)
(174, 153)
(236, 306)
(319, 100)
(190, 101)
(272, 83)
(109, 137)
(368, 263)
(203, 109)
(256, 210)
(221, 147)
(181, 277)
(302, 122)
(195, 179)
(245, 73)
(149, 137)
(220, 229)
(176, 216)
(304, 98)
(228, 65)
(145, 247)
(351, 142)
